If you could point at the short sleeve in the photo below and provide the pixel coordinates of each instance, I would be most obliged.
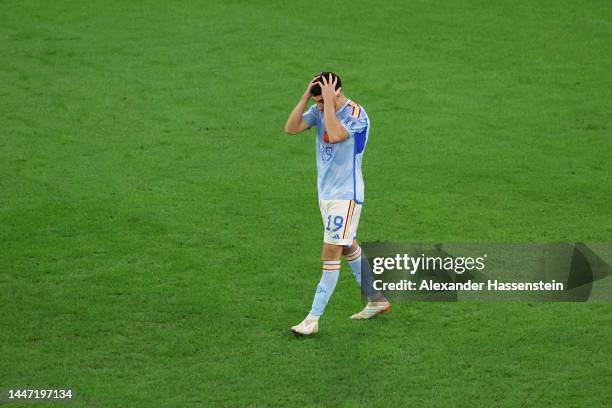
(355, 125)
(310, 116)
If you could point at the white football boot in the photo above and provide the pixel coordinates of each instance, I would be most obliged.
(372, 309)
(306, 328)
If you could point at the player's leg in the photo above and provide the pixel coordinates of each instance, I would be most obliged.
(362, 272)
(356, 259)
(377, 303)
(352, 254)
(330, 271)
(335, 214)
(330, 255)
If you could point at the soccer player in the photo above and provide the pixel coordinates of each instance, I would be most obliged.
(342, 134)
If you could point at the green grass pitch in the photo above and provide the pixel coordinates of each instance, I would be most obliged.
(159, 233)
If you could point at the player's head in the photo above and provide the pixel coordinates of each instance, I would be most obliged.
(315, 91)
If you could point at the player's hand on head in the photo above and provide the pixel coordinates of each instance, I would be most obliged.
(312, 83)
(328, 87)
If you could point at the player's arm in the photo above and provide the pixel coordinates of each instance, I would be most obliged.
(336, 133)
(296, 122)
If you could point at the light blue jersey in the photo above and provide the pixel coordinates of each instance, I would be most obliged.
(339, 165)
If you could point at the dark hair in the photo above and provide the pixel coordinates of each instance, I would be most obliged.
(316, 89)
